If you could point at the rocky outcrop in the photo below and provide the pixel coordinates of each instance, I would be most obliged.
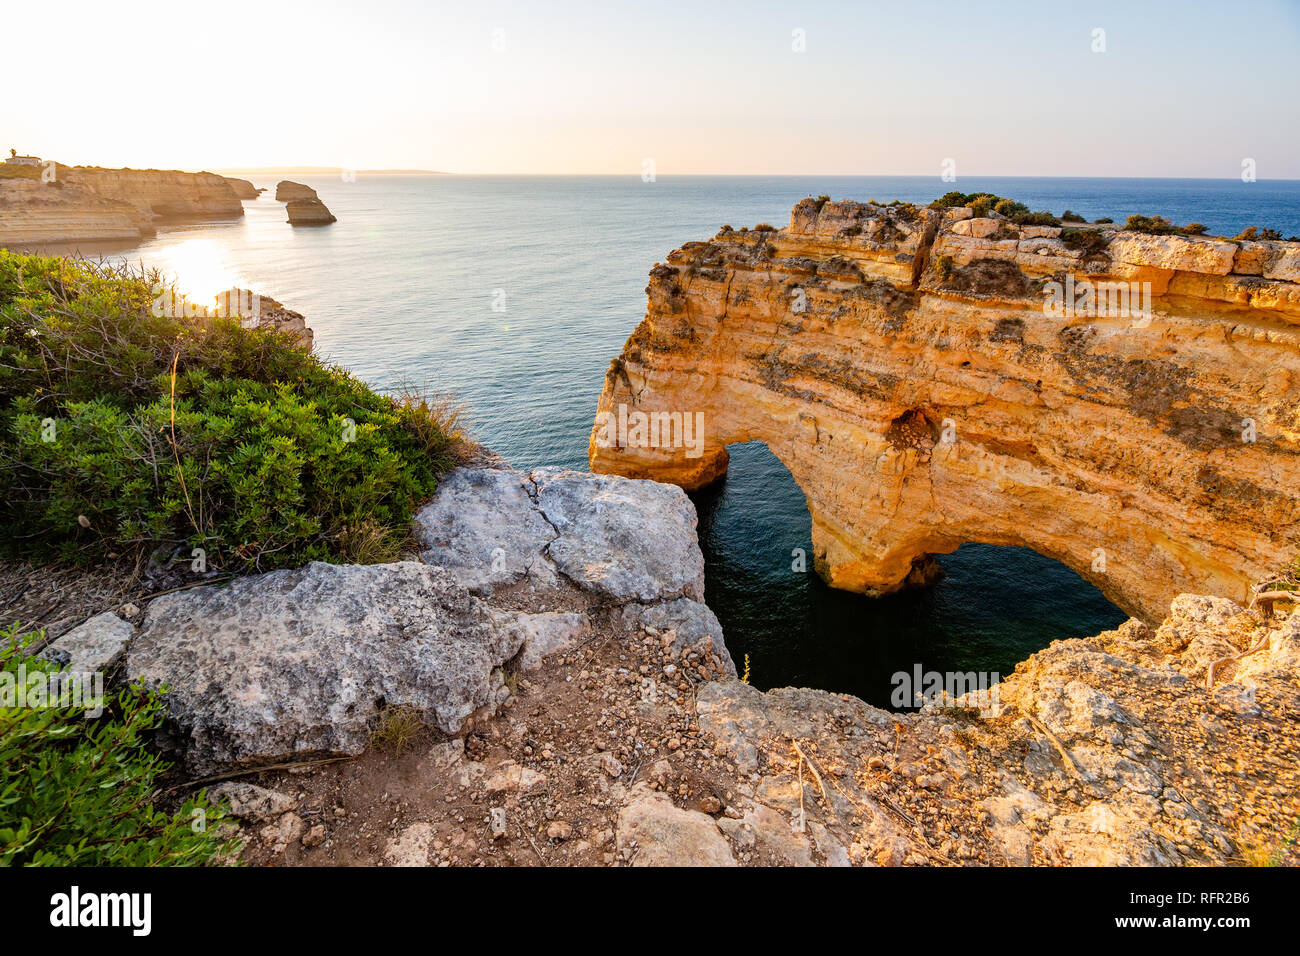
(932, 378)
(309, 212)
(243, 188)
(287, 191)
(269, 314)
(87, 203)
(161, 195)
(303, 205)
(1171, 745)
(295, 664)
(298, 664)
(33, 213)
(620, 541)
(1121, 749)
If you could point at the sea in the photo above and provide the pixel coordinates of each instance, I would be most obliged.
(515, 292)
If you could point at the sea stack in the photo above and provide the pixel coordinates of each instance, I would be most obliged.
(303, 205)
(309, 212)
(286, 191)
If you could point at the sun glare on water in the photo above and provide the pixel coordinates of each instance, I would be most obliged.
(199, 270)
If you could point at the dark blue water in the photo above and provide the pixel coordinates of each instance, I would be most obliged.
(993, 607)
(402, 288)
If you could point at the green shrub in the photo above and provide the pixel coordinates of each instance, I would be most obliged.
(123, 429)
(905, 211)
(79, 790)
(981, 204)
(949, 200)
(1256, 233)
(1103, 220)
(1153, 225)
(1071, 216)
(1088, 241)
(15, 171)
(1035, 219)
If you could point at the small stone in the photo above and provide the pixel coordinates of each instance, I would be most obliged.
(315, 836)
(283, 832)
(559, 830)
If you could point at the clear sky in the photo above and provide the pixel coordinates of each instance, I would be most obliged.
(1183, 88)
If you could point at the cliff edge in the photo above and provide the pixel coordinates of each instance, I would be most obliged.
(89, 203)
(583, 709)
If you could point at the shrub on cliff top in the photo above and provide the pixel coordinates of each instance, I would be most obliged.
(78, 789)
(15, 171)
(1255, 233)
(1088, 241)
(981, 204)
(121, 429)
(1154, 225)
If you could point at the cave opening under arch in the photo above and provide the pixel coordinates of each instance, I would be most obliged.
(992, 607)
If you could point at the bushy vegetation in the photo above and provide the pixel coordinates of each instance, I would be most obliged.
(1158, 226)
(80, 790)
(984, 203)
(1088, 241)
(122, 429)
(17, 171)
(1257, 233)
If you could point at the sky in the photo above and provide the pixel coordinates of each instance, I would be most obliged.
(1167, 89)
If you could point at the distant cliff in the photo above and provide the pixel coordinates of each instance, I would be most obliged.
(84, 203)
(243, 188)
(1126, 403)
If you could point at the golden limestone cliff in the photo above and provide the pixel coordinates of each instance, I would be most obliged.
(58, 204)
(1128, 404)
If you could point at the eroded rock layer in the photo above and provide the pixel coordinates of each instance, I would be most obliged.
(87, 203)
(932, 378)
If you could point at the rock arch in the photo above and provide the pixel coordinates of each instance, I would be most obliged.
(912, 370)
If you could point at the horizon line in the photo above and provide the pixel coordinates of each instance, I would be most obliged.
(331, 170)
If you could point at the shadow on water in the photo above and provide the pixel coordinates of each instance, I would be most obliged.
(993, 607)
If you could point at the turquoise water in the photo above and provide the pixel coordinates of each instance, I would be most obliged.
(402, 288)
